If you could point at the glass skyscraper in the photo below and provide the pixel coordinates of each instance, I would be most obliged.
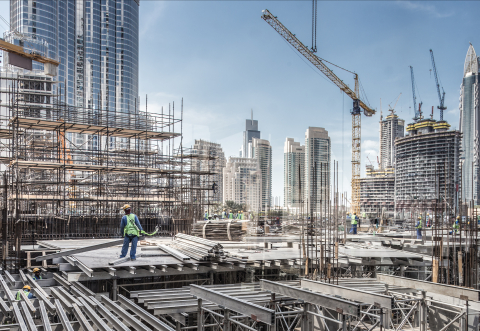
(470, 127)
(96, 42)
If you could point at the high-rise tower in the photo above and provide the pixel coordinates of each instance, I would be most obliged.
(262, 151)
(294, 173)
(470, 126)
(251, 131)
(96, 43)
(317, 168)
(390, 128)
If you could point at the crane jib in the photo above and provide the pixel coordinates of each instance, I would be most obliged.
(317, 62)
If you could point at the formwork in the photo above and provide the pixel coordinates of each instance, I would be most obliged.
(68, 170)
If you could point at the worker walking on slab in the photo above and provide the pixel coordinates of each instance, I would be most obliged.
(419, 227)
(230, 215)
(224, 214)
(26, 289)
(36, 274)
(131, 229)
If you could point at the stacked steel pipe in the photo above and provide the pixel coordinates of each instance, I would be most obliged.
(198, 248)
(219, 230)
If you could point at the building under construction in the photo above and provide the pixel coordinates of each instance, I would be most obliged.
(68, 170)
(427, 172)
(377, 193)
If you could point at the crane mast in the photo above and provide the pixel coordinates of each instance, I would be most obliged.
(441, 96)
(358, 104)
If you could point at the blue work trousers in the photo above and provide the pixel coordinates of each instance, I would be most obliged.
(126, 243)
(419, 233)
(354, 228)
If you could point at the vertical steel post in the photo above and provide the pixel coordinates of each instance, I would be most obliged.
(114, 289)
(423, 312)
(199, 316)
(226, 322)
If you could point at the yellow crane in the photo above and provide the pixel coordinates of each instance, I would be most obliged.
(354, 95)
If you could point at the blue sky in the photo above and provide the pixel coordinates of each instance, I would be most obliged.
(224, 60)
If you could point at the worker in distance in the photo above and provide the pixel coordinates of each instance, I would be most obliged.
(131, 229)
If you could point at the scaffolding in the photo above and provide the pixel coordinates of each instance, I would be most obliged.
(68, 170)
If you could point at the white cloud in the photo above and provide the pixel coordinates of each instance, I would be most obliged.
(425, 7)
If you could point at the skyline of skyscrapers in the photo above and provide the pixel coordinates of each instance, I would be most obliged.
(470, 127)
(251, 131)
(242, 182)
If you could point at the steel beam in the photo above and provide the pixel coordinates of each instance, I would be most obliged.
(143, 314)
(63, 316)
(97, 320)
(78, 293)
(348, 307)
(79, 250)
(35, 285)
(442, 289)
(62, 281)
(18, 316)
(61, 299)
(83, 288)
(45, 299)
(28, 317)
(81, 318)
(243, 307)
(8, 293)
(120, 260)
(124, 315)
(175, 253)
(384, 301)
(10, 278)
(44, 316)
(4, 308)
(27, 301)
(112, 319)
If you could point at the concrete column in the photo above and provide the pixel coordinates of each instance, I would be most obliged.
(178, 327)
(402, 271)
(423, 312)
(307, 324)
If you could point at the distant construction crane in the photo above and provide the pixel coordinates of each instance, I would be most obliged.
(417, 113)
(441, 96)
(392, 109)
(358, 104)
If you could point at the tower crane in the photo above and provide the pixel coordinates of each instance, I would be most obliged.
(441, 96)
(358, 104)
(392, 109)
(417, 113)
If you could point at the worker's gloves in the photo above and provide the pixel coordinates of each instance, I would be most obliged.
(142, 232)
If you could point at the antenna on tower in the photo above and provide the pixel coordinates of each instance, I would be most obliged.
(252, 115)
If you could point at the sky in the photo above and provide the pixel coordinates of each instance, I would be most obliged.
(224, 61)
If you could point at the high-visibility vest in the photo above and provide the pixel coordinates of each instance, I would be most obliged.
(35, 277)
(131, 228)
(354, 219)
(456, 226)
(224, 215)
(230, 215)
(19, 294)
(419, 225)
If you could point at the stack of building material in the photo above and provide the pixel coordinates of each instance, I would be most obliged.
(198, 248)
(219, 230)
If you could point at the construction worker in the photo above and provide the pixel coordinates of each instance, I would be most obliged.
(36, 274)
(427, 220)
(131, 229)
(419, 227)
(205, 217)
(224, 214)
(240, 215)
(26, 289)
(456, 226)
(230, 215)
(354, 223)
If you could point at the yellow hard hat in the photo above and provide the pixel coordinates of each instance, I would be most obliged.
(428, 214)
(127, 206)
(419, 217)
(36, 270)
(27, 287)
(458, 217)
